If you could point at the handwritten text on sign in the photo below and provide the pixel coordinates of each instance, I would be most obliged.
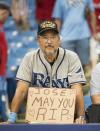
(50, 105)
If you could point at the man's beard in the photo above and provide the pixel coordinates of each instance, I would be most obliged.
(50, 55)
(50, 52)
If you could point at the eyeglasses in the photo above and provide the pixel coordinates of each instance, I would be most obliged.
(52, 38)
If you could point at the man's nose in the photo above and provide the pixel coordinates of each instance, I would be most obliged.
(49, 40)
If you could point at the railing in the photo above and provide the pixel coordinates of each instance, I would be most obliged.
(44, 127)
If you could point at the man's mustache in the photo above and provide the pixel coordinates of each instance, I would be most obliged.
(49, 46)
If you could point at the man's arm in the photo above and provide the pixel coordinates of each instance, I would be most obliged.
(93, 24)
(80, 112)
(21, 91)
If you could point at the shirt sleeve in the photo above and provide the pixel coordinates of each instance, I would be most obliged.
(76, 74)
(57, 11)
(95, 81)
(25, 70)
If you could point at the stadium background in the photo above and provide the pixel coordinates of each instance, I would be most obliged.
(20, 42)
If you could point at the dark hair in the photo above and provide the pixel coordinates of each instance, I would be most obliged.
(5, 5)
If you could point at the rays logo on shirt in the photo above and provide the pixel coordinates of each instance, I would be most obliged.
(40, 80)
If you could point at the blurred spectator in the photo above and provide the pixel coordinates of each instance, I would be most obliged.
(94, 44)
(44, 9)
(70, 15)
(93, 111)
(95, 85)
(20, 13)
(97, 12)
(4, 13)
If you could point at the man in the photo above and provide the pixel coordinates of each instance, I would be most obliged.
(70, 16)
(4, 13)
(95, 85)
(20, 13)
(93, 111)
(94, 44)
(49, 66)
(44, 9)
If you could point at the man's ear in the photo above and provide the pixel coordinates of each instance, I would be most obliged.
(60, 39)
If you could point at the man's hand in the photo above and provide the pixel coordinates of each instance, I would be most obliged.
(80, 120)
(4, 123)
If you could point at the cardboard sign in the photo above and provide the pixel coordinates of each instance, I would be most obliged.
(50, 105)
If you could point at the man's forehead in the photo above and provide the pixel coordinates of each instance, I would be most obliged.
(52, 32)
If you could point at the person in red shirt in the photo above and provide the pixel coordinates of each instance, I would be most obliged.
(4, 13)
(3, 51)
(94, 44)
(97, 12)
(44, 9)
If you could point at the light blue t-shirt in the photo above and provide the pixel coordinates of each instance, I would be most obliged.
(72, 15)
